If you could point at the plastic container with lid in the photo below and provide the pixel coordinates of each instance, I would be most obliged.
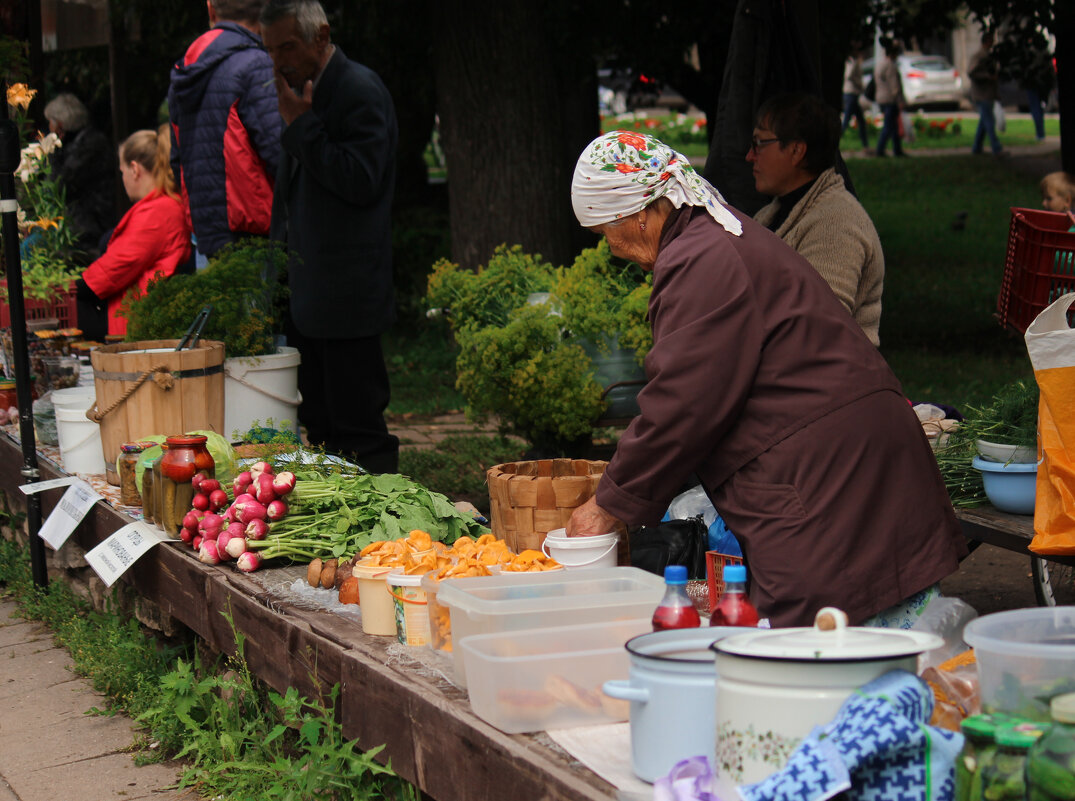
(1004, 778)
(979, 749)
(409, 606)
(1025, 657)
(488, 604)
(1050, 766)
(378, 615)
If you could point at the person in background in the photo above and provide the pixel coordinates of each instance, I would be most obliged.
(889, 98)
(226, 127)
(85, 166)
(852, 93)
(984, 74)
(762, 385)
(332, 208)
(1038, 81)
(152, 238)
(794, 156)
(1058, 192)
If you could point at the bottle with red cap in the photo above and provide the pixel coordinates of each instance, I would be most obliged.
(734, 608)
(676, 610)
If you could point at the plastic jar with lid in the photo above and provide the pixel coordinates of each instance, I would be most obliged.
(979, 749)
(1050, 767)
(1004, 779)
(126, 464)
(184, 456)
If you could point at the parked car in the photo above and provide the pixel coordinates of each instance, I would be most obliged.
(927, 80)
(623, 90)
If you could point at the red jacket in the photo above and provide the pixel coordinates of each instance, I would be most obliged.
(153, 237)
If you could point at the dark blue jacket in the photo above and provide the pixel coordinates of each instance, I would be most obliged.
(225, 134)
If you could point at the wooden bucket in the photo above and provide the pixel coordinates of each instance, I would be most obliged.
(148, 387)
(527, 500)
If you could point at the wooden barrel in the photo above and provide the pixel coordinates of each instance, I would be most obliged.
(527, 500)
(148, 387)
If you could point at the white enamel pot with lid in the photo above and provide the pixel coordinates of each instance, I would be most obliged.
(671, 689)
(774, 686)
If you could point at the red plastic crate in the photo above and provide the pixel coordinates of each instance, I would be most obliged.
(1039, 266)
(62, 306)
(714, 574)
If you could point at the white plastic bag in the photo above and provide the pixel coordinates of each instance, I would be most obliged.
(999, 118)
(946, 617)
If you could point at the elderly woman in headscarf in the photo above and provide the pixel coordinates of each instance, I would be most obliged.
(764, 387)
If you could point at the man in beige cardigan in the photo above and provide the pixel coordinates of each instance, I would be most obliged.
(793, 152)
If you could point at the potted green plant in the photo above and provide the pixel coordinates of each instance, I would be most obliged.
(244, 284)
(536, 343)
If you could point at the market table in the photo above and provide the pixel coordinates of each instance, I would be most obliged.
(430, 734)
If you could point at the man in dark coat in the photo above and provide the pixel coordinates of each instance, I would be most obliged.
(332, 208)
(226, 127)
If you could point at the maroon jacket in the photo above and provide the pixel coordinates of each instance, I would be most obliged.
(763, 384)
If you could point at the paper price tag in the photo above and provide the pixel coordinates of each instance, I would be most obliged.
(73, 506)
(113, 557)
(41, 486)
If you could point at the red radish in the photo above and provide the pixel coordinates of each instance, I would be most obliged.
(246, 496)
(235, 528)
(264, 491)
(229, 513)
(208, 485)
(256, 530)
(276, 509)
(217, 499)
(200, 502)
(222, 541)
(251, 510)
(248, 562)
(197, 479)
(196, 543)
(186, 535)
(283, 483)
(210, 525)
(190, 520)
(208, 553)
(241, 482)
(260, 467)
(235, 547)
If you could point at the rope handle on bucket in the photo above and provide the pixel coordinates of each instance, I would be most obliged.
(407, 600)
(163, 379)
(287, 401)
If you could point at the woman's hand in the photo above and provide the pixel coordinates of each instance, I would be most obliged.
(590, 520)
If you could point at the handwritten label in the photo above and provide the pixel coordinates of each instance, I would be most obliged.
(40, 486)
(115, 555)
(73, 506)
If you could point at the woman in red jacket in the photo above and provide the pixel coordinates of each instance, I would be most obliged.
(153, 238)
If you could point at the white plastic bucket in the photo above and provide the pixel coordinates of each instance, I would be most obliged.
(74, 398)
(262, 388)
(581, 552)
(410, 607)
(80, 440)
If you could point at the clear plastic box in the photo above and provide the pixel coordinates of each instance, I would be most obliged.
(518, 601)
(1025, 657)
(532, 680)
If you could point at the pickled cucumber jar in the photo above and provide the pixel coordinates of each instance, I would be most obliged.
(1004, 779)
(151, 497)
(1050, 765)
(183, 457)
(979, 748)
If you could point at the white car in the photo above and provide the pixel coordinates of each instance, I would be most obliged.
(927, 80)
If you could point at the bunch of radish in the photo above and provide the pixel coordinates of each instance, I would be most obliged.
(219, 536)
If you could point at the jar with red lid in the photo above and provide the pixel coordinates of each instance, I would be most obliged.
(184, 456)
(8, 396)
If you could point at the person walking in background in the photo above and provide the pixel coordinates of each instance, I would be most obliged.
(332, 208)
(1037, 81)
(890, 98)
(852, 93)
(152, 238)
(85, 166)
(794, 159)
(984, 74)
(226, 127)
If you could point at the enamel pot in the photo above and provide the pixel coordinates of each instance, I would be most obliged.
(672, 689)
(774, 686)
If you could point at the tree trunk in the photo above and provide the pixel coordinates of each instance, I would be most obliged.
(505, 98)
(1065, 82)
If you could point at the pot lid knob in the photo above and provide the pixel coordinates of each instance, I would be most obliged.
(830, 618)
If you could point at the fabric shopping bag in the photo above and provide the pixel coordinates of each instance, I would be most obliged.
(1051, 345)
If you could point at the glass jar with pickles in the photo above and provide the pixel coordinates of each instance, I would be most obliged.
(979, 749)
(183, 457)
(1050, 766)
(1004, 779)
(151, 490)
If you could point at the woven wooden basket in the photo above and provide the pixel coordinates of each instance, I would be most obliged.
(527, 500)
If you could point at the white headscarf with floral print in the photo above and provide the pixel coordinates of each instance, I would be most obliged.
(622, 172)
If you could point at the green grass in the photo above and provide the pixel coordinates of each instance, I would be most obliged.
(1019, 132)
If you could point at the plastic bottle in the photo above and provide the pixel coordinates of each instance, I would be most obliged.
(734, 608)
(676, 610)
(1050, 767)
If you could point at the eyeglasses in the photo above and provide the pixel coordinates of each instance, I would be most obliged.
(757, 144)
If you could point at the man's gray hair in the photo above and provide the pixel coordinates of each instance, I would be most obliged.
(238, 10)
(69, 111)
(309, 15)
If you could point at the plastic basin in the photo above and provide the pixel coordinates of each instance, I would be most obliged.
(1009, 487)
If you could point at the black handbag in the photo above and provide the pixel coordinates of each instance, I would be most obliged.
(673, 542)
